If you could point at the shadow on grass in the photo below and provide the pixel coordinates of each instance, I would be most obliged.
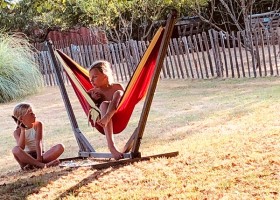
(95, 176)
(30, 182)
(25, 183)
(110, 167)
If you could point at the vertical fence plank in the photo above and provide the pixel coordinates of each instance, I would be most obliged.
(198, 56)
(230, 55)
(122, 61)
(246, 53)
(89, 48)
(274, 41)
(222, 42)
(177, 53)
(173, 57)
(253, 54)
(256, 39)
(48, 69)
(101, 53)
(114, 63)
(214, 52)
(65, 77)
(180, 42)
(82, 53)
(139, 43)
(240, 53)
(202, 48)
(107, 53)
(185, 42)
(135, 58)
(127, 58)
(168, 64)
(51, 72)
(90, 57)
(220, 66)
(171, 64)
(205, 38)
(94, 53)
(97, 52)
(263, 52)
(86, 53)
(278, 41)
(119, 63)
(45, 67)
(163, 72)
(235, 54)
(269, 52)
(191, 46)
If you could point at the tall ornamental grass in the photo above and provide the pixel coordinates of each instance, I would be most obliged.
(19, 74)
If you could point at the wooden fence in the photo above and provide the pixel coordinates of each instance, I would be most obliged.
(208, 55)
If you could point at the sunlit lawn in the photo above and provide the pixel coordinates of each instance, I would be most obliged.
(226, 132)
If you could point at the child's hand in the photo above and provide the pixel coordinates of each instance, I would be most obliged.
(19, 123)
(22, 125)
(95, 95)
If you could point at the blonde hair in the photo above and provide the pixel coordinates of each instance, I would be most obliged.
(104, 67)
(21, 109)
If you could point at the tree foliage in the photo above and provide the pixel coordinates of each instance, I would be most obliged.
(121, 19)
(228, 15)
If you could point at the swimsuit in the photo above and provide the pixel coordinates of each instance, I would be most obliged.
(30, 142)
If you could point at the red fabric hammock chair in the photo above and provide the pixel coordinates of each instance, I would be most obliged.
(134, 92)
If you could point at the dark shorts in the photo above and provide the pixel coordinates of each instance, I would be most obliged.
(33, 154)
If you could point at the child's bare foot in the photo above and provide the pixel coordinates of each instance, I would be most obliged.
(116, 154)
(53, 163)
(104, 121)
(28, 167)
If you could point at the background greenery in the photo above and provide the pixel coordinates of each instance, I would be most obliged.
(122, 19)
(19, 74)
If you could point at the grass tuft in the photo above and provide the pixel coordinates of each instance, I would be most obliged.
(19, 74)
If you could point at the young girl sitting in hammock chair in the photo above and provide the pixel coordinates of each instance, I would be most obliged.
(107, 96)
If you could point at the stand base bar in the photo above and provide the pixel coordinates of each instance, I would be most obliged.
(116, 163)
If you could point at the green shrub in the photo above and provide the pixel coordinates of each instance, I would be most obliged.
(19, 74)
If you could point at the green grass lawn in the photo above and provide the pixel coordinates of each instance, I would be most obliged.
(226, 132)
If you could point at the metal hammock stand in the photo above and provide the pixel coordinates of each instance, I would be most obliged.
(131, 149)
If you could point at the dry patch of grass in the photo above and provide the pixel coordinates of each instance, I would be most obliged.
(227, 133)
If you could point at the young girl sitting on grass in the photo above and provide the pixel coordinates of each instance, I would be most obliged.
(109, 95)
(29, 134)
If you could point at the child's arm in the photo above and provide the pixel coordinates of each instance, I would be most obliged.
(119, 90)
(113, 105)
(39, 135)
(115, 101)
(19, 135)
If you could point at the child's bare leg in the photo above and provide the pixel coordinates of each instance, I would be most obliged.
(110, 141)
(111, 109)
(105, 116)
(24, 159)
(109, 135)
(22, 165)
(52, 163)
(53, 153)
